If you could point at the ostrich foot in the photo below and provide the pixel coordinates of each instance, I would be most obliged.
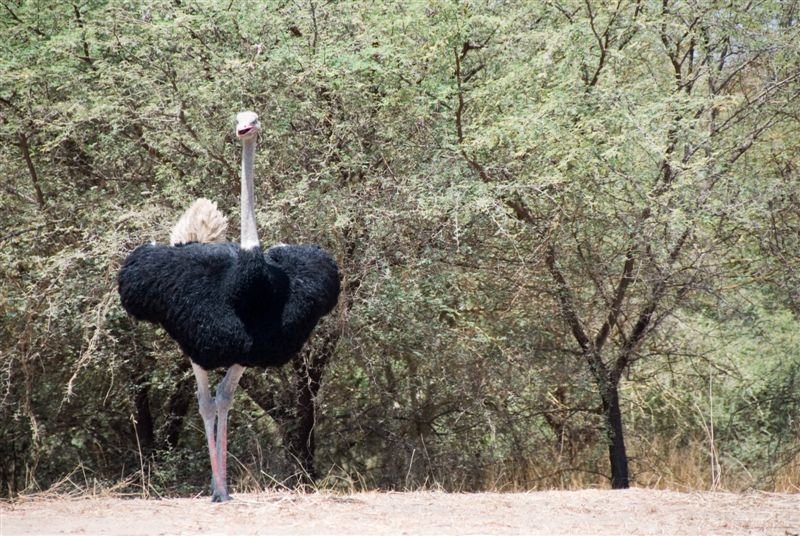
(218, 497)
(219, 494)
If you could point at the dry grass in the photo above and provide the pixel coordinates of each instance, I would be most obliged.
(661, 466)
(684, 469)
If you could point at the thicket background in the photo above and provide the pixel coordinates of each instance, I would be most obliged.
(556, 222)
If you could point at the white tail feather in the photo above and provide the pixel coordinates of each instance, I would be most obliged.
(202, 222)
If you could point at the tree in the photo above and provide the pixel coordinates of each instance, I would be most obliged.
(627, 162)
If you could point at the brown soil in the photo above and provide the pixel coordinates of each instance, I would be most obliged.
(634, 511)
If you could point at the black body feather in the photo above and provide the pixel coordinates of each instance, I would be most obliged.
(225, 305)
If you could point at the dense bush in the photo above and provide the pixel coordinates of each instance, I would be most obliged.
(555, 222)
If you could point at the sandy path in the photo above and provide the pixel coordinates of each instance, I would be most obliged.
(635, 511)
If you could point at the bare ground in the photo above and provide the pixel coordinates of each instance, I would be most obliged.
(634, 511)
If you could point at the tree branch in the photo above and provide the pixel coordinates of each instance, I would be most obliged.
(643, 322)
(26, 155)
(16, 18)
(616, 306)
(565, 301)
(86, 56)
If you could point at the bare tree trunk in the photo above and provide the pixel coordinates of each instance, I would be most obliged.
(299, 436)
(616, 440)
(145, 431)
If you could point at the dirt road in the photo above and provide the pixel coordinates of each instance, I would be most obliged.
(635, 511)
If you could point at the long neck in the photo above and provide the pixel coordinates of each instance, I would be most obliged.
(249, 234)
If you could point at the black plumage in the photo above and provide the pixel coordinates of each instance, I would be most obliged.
(225, 305)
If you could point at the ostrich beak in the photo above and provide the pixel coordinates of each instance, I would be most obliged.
(247, 125)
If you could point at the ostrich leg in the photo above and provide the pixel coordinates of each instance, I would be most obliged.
(224, 401)
(208, 411)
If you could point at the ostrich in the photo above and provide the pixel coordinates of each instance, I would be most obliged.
(229, 305)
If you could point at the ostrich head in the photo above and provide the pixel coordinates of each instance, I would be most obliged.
(247, 125)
